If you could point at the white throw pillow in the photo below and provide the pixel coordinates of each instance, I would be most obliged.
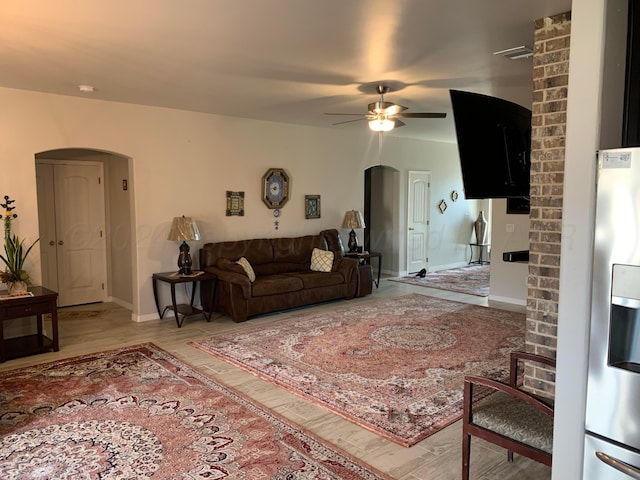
(321, 260)
(244, 263)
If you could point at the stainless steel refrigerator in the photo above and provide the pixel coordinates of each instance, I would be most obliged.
(612, 437)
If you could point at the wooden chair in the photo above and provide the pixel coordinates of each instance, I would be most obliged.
(508, 417)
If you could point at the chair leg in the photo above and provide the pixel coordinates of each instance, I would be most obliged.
(466, 454)
(509, 456)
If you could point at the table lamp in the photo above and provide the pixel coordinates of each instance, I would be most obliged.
(353, 219)
(184, 229)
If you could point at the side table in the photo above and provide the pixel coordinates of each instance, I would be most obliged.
(365, 259)
(41, 301)
(182, 311)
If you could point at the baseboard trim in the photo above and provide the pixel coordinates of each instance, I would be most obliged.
(513, 301)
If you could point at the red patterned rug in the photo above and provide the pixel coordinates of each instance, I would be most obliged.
(473, 280)
(394, 366)
(138, 412)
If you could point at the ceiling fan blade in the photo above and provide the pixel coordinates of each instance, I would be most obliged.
(352, 114)
(394, 110)
(421, 115)
(398, 124)
(348, 121)
(385, 108)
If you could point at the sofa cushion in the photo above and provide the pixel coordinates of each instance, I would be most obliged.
(229, 266)
(296, 250)
(256, 251)
(318, 279)
(321, 260)
(244, 263)
(275, 284)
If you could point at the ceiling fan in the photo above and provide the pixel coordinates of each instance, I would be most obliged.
(384, 116)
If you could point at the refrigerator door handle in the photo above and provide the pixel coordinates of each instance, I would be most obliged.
(619, 465)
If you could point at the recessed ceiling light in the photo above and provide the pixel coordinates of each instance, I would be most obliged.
(516, 52)
(86, 88)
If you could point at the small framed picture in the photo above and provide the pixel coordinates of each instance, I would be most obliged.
(311, 206)
(235, 203)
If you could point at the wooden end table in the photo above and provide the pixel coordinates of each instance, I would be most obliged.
(365, 258)
(182, 311)
(42, 301)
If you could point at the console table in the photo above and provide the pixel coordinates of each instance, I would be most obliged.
(43, 301)
(173, 278)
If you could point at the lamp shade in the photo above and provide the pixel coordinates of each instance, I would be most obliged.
(183, 229)
(353, 219)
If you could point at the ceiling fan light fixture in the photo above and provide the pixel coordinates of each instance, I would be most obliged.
(381, 124)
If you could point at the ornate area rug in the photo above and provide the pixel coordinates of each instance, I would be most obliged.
(138, 412)
(395, 367)
(79, 314)
(473, 280)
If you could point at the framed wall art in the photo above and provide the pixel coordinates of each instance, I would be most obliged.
(235, 204)
(275, 188)
(311, 206)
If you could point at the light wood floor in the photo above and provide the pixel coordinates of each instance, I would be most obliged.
(435, 458)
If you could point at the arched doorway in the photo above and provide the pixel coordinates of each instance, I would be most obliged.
(117, 285)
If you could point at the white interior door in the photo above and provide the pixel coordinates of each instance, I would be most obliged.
(47, 225)
(80, 233)
(418, 220)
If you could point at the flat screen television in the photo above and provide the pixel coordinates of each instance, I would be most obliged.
(494, 144)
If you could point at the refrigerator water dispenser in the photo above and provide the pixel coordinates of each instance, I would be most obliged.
(624, 327)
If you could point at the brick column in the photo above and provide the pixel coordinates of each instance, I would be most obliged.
(550, 80)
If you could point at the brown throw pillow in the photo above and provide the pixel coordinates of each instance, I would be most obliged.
(229, 266)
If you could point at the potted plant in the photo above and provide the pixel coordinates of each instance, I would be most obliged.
(14, 275)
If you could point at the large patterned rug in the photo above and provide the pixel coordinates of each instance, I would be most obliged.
(393, 366)
(473, 280)
(138, 412)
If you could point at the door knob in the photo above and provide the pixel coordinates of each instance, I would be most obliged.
(60, 242)
(411, 228)
(52, 243)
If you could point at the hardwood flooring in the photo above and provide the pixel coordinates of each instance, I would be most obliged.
(435, 458)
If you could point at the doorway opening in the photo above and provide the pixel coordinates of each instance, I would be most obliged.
(380, 202)
(85, 220)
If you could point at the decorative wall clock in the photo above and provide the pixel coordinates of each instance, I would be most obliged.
(275, 188)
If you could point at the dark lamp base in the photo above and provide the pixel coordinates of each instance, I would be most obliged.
(353, 242)
(184, 260)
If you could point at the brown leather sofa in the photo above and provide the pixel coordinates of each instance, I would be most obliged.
(283, 275)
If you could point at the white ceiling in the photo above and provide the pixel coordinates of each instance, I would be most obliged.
(276, 60)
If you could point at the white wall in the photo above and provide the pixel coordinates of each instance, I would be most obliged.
(585, 115)
(508, 282)
(184, 162)
(119, 230)
(450, 232)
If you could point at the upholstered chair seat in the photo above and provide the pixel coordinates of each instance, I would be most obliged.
(513, 418)
(507, 415)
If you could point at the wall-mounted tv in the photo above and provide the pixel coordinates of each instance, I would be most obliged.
(494, 144)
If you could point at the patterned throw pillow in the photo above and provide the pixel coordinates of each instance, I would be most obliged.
(321, 260)
(244, 263)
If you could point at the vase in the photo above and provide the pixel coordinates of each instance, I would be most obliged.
(17, 287)
(480, 227)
